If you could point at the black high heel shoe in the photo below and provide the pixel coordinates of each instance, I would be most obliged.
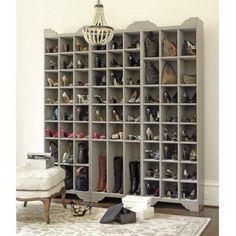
(194, 98)
(186, 98)
(174, 98)
(166, 97)
(81, 212)
(99, 99)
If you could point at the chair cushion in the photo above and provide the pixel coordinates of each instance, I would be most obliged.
(36, 179)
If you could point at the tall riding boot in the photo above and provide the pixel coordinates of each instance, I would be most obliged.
(102, 174)
(138, 192)
(118, 174)
(133, 177)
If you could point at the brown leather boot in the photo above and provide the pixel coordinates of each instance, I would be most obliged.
(102, 174)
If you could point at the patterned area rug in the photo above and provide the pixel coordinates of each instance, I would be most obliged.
(29, 222)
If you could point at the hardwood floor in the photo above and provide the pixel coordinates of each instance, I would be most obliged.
(166, 208)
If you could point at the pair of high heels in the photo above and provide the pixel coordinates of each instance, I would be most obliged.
(191, 119)
(151, 116)
(189, 155)
(51, 101)
(171, 192)
(52, 65)
(170, 153)
(188, 48)
(100, 80)
(131, 82)
(79, 211)
(98, 136)
(50, 133)
(67, 63)
(192, 176)
(116, 80)
(133, 137)
(134, 44)
(66, 98)
(152, 173)
(81, 135)
(170, 174)
(113, 99)
(152, 190)
(66, 116)
(118, 135)
(80, 64)
(115, 63)
(150, 99)
(66, 81)
(99, 99)
(133, 119)
(168, 99)
(150, 135)
(172, 119)
(99, 116)
(167, 137)
(65, 134)
(82, 98)
(82, 114)
(192, 194)
(134, 97)
(99, 63)
(52, 49)
(186, 98)
(150, 154)
(132, 61)
(54, 115)
(187, 138)
(52, 83)
(80, 46)
(116, 45)
(116, 116)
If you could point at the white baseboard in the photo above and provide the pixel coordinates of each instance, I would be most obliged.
(211, 193)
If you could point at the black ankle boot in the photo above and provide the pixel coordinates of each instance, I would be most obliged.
(118, 174)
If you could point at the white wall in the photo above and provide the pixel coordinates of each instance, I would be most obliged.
(66, 16)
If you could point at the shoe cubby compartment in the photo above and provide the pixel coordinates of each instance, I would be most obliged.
(69, 176)
(151, 36)
(66, 113)
(115, 95)
(66, 44)
(169, 171)
(132, 96)
(151, 171)
(115, 164)
(132, 78)
(169, 94)
(66, 79)
(115, 132)
(169, 152)
(81, 96)
(132, 168)
(99, 96)
(169, 114)
(51, 113)
(81, 78)
(188, 133)
(99, 131)
(51, 62)
(190, 36)
(81, 45)
(132, 132)
(188, 152)
(187, 66)
(115, 113)
(173, 63)
(99, 60)
(188, 95)
(81, 113)
(151, 152)
(188, 114)
(115, 59)
(51, 146)
(81, 153)
(116, 43)
(169, 190)
(99, 113)
(66, 152)
(132, 40)
(188, 172)
(66, 62)
(66, 96)
(151, 188)
(151, 73)
(66, 130)
(51, 130)
(51, 96)
(115, 78)
(99, 78)
(132, 114)
(169, 133)
(151, 113)
(188, 191)
(82, 178)
(51, 45)
(171, 35)
(81, 61)
(53, 76)
(151, 132)
(151, 95)
(81, 131)
(132, 59)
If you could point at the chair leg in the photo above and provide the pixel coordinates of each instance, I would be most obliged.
(63, 196)
(25, 203)
(46, 203)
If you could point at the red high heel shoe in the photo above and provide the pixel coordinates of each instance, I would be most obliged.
(50, 134)
(55, 135)
(70, 135)
(64, 134)
(81, 135)
(96, 135)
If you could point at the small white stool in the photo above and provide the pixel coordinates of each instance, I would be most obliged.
(36, 184)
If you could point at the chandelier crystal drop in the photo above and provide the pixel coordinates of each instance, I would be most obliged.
(99, 33)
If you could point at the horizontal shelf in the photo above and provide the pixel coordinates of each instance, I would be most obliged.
(81, 52)
(151, 179)
(53, 88)
(115, 51)
(151, 58)
(169, 161)
(51, 54)
(169, 180)
(84, 165)
(188, 162)
(189, 181)
(151, 160)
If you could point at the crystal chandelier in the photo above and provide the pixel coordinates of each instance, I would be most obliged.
(99, 33)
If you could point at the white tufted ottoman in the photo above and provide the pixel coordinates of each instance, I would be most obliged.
(36, 184)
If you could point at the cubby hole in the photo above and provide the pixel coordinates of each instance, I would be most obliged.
(66, 79)
(51, 62)
(69, 177)
(132, 95)
(99, 60)
(132, 77)
(81, 61)
(66, 130)
(66, 152)
(151, 72)
(188, 191)
(169, 152)
(99, 113)
(188, 95)
(188, 172)
(82, 178)
(187, 69)
(132, 40)
(188, 152)
(66, 44)
(151, 152)
(66, 62)
(115, 95)
(190, 36)
(51, 76)
(169, 171)
(132, 114)
(170, 35)
(171, 68)
(99, 131)
(116, 43)
(151, 113)
(188, 133)
(81, 78)
(51, 113)
(151, 132)
(169, 113)
(81, 113)
(51, 130)
(132, 59)
(115, 131)
(151, 188)
(99, 78)
(99, 96)
(151, 95)
(132, 132)
(188, 113)
(99, 152)
(51, 146)
(51, 96)
(169, 94)
(80, 44)
(99, 47)
(151, 170)
(169, 190)
(151, 38)
(115, 59)
(81, 131)
(115, 77)
(169, 133)
(51, 45)
(81, 96)
(81, 152)
(66, 96)
(66, 113)
(115, 113)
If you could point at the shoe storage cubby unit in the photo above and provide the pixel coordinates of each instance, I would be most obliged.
(114, 131)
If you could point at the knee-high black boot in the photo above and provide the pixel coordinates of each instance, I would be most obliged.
(133, 177)
(138, 192)
(118, 174)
